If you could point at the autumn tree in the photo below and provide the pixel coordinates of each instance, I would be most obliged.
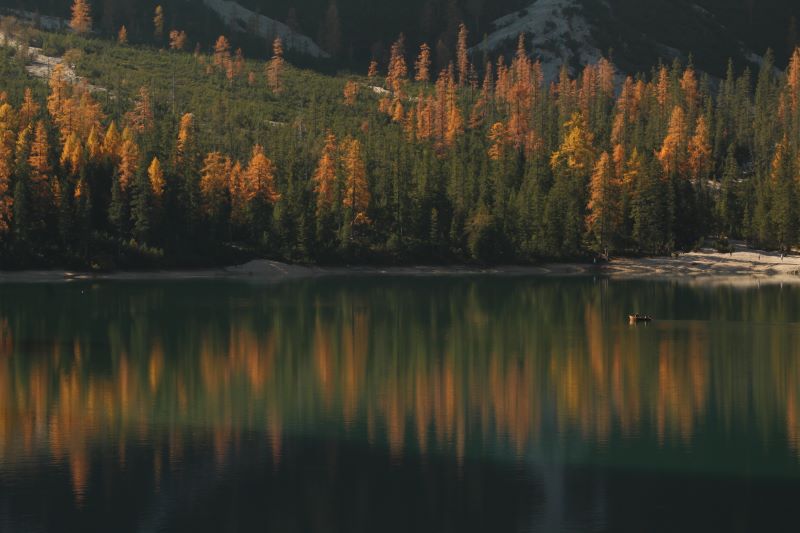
(462, 55)
(158, 23)
(259, 188)
(44, 186)
(325, 176)
(214, 187)
(603, 208)
(422, 67)
(141, 118)
(275, 67)
(350, 93)
(177, 40)
(673, 148)
(81, 21)
(122, 36)
(356, 195)
(6, 169)
(700, 152)
(222, 53)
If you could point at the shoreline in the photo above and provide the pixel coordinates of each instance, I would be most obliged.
(744, 266)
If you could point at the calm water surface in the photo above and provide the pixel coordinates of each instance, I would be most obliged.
(398, 405)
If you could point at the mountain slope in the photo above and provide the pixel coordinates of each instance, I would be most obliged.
(639, 34)
(244, 20)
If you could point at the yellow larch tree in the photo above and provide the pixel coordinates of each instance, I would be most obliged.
(603, 208)
(325, 175)
(81, 21)
(111, 141)
(356, 194)
(28, 111)
(497, 136)
(214, 185)
(122, 36)
(40, 169)
(700, 152)
(158, 23)
(155, 176)
(128, 163)
(185, 145)
(674, 146)
(260, 178)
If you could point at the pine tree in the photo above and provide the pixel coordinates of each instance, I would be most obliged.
(81, 21)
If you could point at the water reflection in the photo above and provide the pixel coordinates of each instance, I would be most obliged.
(435, 375)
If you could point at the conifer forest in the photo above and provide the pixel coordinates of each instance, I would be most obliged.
(167, 151)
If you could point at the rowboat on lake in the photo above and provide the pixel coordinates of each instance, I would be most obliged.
(638, 319)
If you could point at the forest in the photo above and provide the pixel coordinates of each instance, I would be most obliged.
(171, 154)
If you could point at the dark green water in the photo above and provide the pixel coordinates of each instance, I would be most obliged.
(399, 405)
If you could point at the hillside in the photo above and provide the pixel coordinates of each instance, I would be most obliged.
(141, 154)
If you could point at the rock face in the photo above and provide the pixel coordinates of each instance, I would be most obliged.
(242, 19)
(556, 31)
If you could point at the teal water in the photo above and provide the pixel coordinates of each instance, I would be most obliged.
(383, 404)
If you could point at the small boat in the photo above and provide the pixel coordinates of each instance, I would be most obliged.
(638, 319)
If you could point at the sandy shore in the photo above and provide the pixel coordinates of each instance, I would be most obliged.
(744, 266)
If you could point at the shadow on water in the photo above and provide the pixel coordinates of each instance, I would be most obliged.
(474, 404)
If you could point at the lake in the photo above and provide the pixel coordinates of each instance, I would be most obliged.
(398, 405)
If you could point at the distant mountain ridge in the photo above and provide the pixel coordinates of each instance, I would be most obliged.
(635, 34)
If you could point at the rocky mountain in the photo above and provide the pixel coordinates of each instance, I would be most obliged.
(636, 34)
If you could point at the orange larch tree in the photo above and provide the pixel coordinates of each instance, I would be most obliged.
(122, 35)
(260, 178)
(222, 53)
(141, 118)
(422, 67)
(700, 152)
(356, 194)
(214, 184)
(350, 93)
(177, 40)
(275, 67)
(81, 21)
(673, 148)
(128, 163)
(462, 55)
(41, 178)
(603, 208)
(325, 176)
(6, 167)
